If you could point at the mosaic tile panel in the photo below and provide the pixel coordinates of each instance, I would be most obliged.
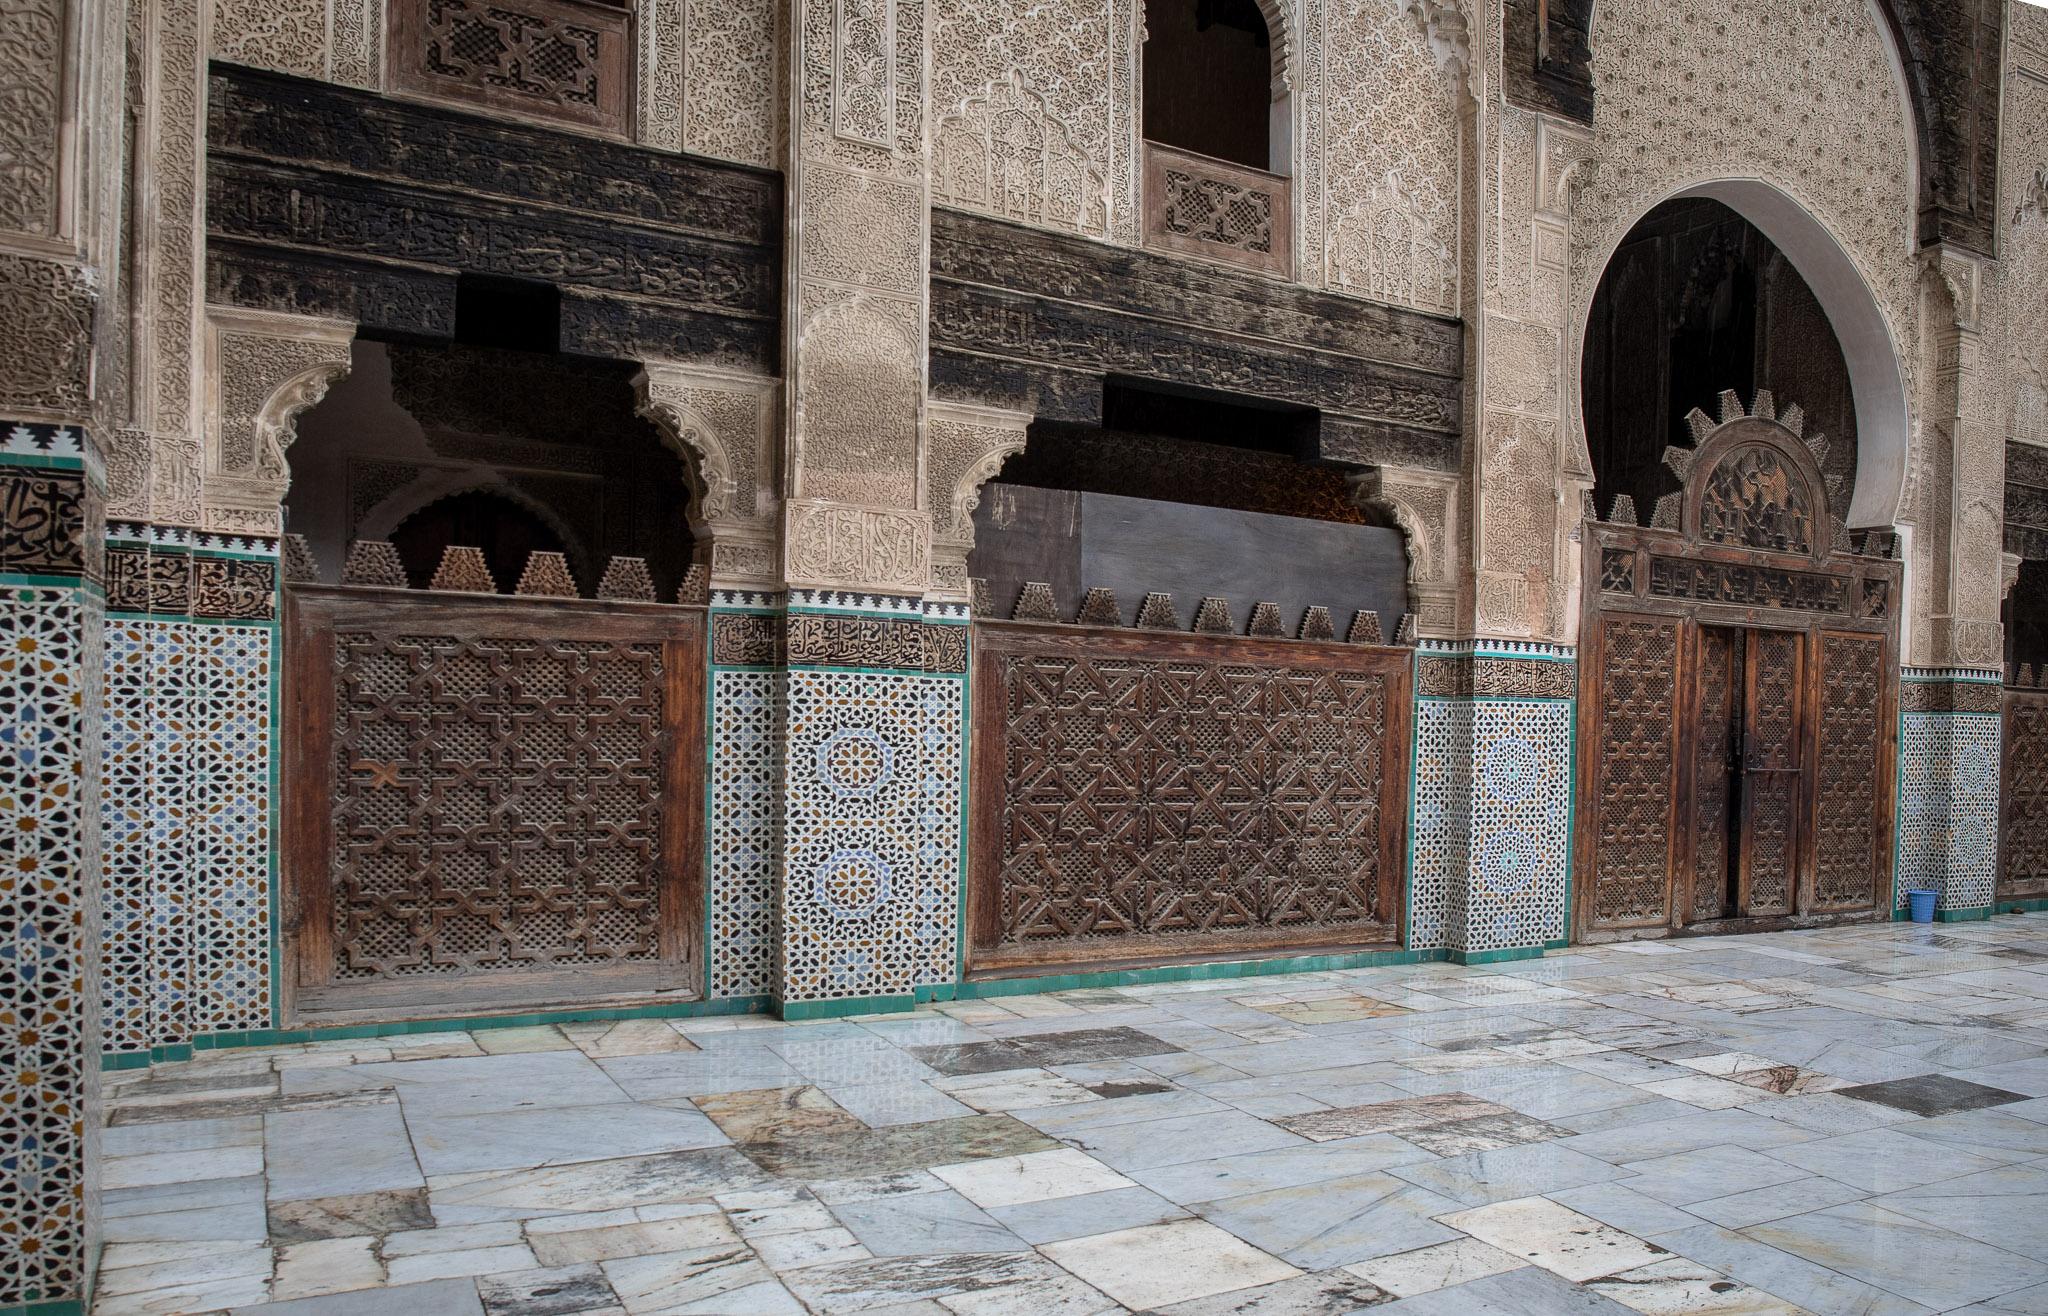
(746, 735)
(1949, 767)
(125, 955)
(50, 640)
(1442, 812)
(1491, 832)
(868, 906)
(228, 718)
(1520, 819)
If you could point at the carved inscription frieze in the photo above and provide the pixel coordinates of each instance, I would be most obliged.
(842, 546)
(1746, 586)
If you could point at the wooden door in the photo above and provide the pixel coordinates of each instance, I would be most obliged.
(1717, 822)
(1635, 734)
(1773, 679)
(490, 801)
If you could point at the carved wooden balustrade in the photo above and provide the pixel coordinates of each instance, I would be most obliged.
(1224, 211)
(565, 60)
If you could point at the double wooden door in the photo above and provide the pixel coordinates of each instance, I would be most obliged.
(1734, 776)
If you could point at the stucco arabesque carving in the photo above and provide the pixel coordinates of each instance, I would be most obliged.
(844, 546)
(263, 369)
(1004, 153)
(1447, 30)
(723, 424)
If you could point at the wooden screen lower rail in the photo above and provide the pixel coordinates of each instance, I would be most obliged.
(1140, 797)
(491, 801)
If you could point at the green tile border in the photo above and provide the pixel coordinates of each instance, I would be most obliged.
(2020, 906)
(840, 1009)
(1963, 915)
(1475, 957)
(991, 988)
(61, 1307)
(406, 1027)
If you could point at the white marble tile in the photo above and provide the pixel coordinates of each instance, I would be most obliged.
(1013, 1089)
(1555, 1237)
(1157, 1265)
(327, 1265)
(1704, 1091)
(1441, 1266)
(1677, 1287)
(1035, 1177)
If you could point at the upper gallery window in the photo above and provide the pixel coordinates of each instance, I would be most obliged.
(1217, 134)
(1209, 80)
(565, 60)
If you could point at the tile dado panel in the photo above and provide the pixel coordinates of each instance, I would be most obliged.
(188, 795)
(834, 832)
(1490, 864)
(51, 612)
(1950, 720)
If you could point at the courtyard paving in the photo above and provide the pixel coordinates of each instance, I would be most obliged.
(1852, 1121)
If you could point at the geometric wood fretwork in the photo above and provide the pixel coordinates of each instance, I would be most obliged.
(1143, 796)
(2023, 870)
(1846, 860)
(1771, 770)
(1713, 756)
(486, 801)
(1638, 681)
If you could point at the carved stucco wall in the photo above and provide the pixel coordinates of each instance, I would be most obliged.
(2023, 227)
(726, 425)
(859, 209)
(706, 81)
(262, 370)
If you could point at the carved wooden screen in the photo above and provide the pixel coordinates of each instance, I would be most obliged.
(1747, 642)
(2023, 867)
(1633, 783)
(491, 801)
(1143, 796)
(1720, 711)
(1848, 856)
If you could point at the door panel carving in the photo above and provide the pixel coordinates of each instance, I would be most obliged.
(1714, 756)
(1770, 771)
(485, 806)
(1638, 685)
(2023, 869)
(1141, 796)
(1846, 867)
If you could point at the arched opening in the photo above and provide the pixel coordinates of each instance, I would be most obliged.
(1208, 81)
(1861, 333)
(1696, 300)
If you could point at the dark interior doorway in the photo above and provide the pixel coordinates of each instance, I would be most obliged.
(1696, 300)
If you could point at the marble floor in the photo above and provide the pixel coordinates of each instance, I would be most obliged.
(1851, 1122)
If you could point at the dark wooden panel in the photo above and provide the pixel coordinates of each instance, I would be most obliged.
(1719, 671)
(482, 809)
(2023, 867)
(1141, 796)
(1636, 730)
(1774, 679)
(1848, 859)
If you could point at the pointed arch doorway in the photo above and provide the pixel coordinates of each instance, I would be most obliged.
(1737, 704)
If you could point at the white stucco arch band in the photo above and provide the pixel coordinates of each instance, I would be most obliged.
(1883, 425)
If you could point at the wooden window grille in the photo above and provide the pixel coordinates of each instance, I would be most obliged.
(569, 61)
(1227, 212)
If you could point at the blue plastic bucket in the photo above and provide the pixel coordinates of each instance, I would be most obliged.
(1921, 904)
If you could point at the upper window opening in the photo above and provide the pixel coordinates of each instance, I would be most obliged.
(1209, 79)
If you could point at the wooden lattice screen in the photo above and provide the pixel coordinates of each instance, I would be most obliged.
(2023, 867)
(491, 800)
(1138, 796)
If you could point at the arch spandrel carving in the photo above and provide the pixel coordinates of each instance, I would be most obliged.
(722, 423)
(264, 369)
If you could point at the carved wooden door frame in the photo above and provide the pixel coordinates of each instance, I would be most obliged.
(991, 953)
(2023, 795)
(1699, 566)
(313, 615)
